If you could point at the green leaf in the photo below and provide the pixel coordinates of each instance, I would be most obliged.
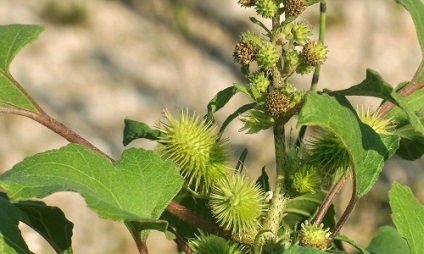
(388, 241)
(137, 188)
(296, 249)
(416, 10)
(408, 216)
(234, 115)
(410, 150)
(12, 39)
(374, 85)
(49, 222)
(11, 240)
(367, 149)
(304, 207)
(219, 101)
(263, 181)
(353, 243)
(135, 130)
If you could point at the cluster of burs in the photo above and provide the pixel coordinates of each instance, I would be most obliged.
(270, 58)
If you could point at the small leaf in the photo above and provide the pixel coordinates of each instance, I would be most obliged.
(234, 115)
(367, 149)
(240, 162)
(12, 39)
(263, 181)
(11, 240)
(49, 222)
(352, 242)
(219, 101)
(135, 130)
(259, 23)
(388, 241)
(408, 216)
(138, 188)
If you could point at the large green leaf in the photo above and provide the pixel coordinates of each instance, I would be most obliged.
(374, 85)
(49, 222)
(12, 39)
(137, 188)
(388, 241)
(367, 149)
(11, 240)
(408, 216)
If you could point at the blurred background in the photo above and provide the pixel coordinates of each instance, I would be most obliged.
(99, 62)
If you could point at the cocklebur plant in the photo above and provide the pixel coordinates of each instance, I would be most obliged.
(187, 187)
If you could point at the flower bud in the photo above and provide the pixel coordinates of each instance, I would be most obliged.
(266, 8)
(314, 53)
(259, 83)
(301, 31)
(314, 236)
(291, 60)
(267, 56)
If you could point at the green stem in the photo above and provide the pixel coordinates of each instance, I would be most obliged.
(322, 23)
(276, 209)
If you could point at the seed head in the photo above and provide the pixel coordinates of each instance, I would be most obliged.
(276, 103)
(295, 7)
(244, 52)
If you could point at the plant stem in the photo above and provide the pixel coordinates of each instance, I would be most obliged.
(345, 214)
(275, 213)
(322, 24)
(180, 242)
(326, 203)
(55, 126)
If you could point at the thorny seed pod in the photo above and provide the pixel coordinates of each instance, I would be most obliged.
(194, 147)
(314, 236)
(237, 204)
